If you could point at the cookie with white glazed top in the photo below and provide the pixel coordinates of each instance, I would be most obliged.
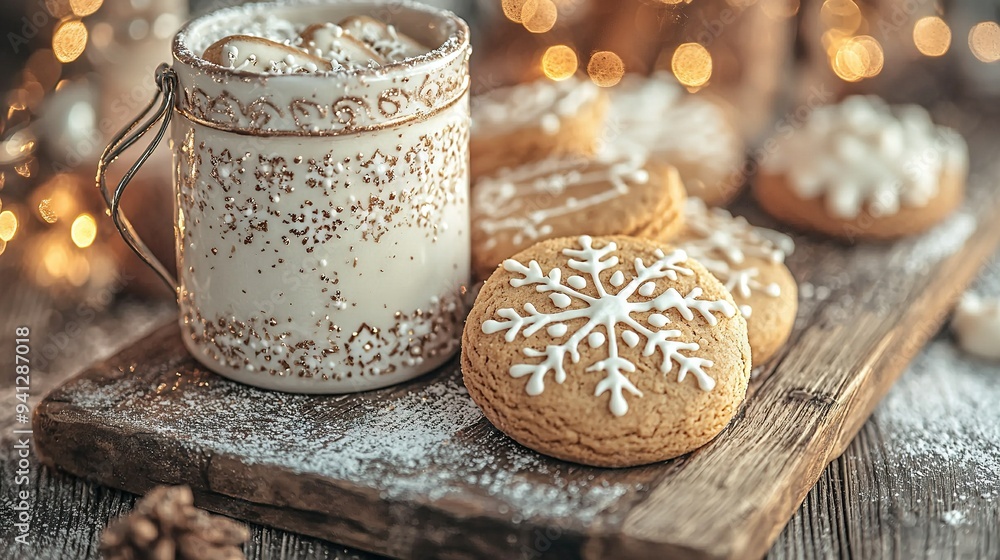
(690, 132)
(621, 194)
(610, 351)
(749, 261)
(865, 169)
(527, 122)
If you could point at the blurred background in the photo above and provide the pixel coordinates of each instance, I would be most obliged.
(78, 70)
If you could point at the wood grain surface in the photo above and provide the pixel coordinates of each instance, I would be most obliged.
(866, 311)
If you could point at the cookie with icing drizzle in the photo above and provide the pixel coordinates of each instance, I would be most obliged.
(527, 122)
(749, 261)
(863, 169)
(691, 132)
(607, 351)
(621, 194)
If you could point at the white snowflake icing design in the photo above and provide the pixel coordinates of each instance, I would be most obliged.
(722, 244)
(614, 312)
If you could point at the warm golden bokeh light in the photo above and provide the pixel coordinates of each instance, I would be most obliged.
(692, 65)
(858, 58)
(932, 36)
(84, 230)
(69, 40)
(559, 62)
(605, 68)
(8, 225)
(984, 40)
(512, 9)
(539, 16)
(841, 14)
(46, 212)
(85, 7)
(54, 258)
(779, 9)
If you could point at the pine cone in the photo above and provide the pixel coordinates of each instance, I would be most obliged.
(165, 525)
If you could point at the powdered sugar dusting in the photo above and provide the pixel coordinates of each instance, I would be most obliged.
(421, 444)
(942, 415)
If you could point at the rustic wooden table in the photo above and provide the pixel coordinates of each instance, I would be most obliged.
(921, 480)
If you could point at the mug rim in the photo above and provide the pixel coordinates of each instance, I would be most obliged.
(456, 42)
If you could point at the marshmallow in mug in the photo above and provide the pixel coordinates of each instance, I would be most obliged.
(271, 48)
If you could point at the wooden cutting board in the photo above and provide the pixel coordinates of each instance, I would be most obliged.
(416, 471)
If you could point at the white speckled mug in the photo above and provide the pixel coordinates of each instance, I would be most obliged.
(321, 219)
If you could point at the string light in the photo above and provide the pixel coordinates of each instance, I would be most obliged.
(692, 64)
(559, 62)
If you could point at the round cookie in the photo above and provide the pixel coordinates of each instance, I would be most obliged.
(606, 351)
(749, 261)
(690, 132)
(620, 194)
(532, 121)
(864, 170)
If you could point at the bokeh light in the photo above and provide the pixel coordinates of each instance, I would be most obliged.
(559, 62)
(932, 36)
(84, 230)
(85, 7)
(8, 225)
(605, 68)
(512, 9)
(692, 64)
(844, 15)
(984, 40)
(539, 16)
(779, 9)
(69, 40)
(858, 58)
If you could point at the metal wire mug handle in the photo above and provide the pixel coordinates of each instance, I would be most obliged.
(166, 92)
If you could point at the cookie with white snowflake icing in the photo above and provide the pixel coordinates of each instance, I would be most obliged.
(622, 194)
(532, 121)
(608, 351)
(688, 131)
(865, 169)
(749, 261)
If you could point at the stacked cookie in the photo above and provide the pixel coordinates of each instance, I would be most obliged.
(620, 318)
(567, 195)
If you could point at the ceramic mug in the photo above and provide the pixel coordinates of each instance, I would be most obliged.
(321, 220)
